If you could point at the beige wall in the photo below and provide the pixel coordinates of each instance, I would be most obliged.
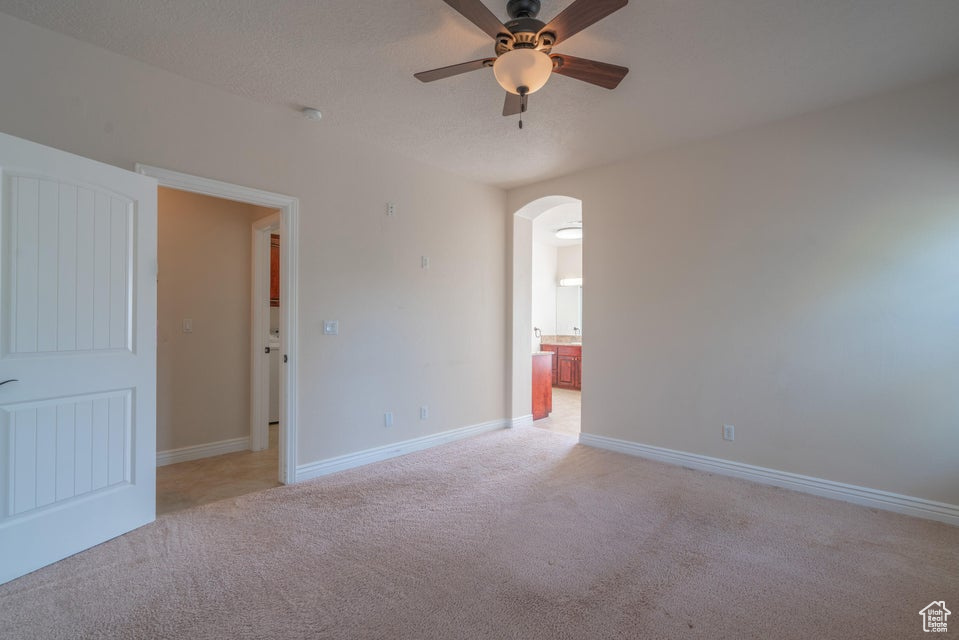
(798, 280)
(520, 291)
(203, 377)
(407, 336)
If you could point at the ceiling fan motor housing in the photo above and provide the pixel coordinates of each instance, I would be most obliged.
(522, 8)
(524, 29)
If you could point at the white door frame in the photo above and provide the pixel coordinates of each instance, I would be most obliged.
(289, 275)
(262, 229)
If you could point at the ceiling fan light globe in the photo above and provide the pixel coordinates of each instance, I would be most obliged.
(528, 68)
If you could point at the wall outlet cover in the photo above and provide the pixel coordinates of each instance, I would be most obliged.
(331, 327)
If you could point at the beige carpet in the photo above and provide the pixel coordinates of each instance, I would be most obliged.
(515, 534)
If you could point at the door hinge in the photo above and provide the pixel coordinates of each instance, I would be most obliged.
(285, 359)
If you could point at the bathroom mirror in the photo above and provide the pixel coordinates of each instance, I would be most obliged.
(569, 311)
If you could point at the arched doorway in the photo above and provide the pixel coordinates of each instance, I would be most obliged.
(536, 276)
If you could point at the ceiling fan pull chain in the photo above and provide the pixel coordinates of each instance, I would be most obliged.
(524, 95)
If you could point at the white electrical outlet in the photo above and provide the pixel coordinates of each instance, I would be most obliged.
(388, 419)
(187, 325)
(729, 432)
(331, 327)
(424, 412)
(390, 209)
(425, 262)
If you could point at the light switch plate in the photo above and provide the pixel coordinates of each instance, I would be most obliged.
(331, 327)
(188, 325)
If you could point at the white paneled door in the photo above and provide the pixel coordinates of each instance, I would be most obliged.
(77, 354)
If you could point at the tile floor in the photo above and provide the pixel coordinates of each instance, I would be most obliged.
(188, 484)
(565, 417)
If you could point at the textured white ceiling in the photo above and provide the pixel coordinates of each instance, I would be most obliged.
(546, 224)
(698, 68)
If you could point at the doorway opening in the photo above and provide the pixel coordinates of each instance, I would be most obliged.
(266, 352)
(548, 314)
(236, 334)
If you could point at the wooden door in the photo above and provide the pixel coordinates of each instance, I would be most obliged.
(565, 375)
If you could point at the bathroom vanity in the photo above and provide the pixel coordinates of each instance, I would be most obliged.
(567, 371)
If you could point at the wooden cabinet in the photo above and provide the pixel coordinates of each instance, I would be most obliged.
(542, 389)
(552, 349)
(567, 365)
(274, 270)
(567, 377)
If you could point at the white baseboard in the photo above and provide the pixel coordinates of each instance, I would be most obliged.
(522, 421)
(351, 460)
(197, 451)
(948, 513)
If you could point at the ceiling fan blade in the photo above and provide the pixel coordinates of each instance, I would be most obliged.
(477, 13)
(580, 15)
(513, 104)
(453, 70)
(601, 74)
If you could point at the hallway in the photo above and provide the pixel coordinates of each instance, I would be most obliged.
(189, 484)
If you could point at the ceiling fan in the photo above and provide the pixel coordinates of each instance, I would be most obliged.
(524, 59)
